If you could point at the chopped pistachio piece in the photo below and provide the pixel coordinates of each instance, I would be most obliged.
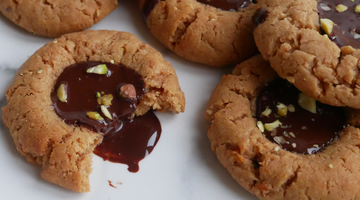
(293, 145)
(327, 25)
(331, 166)
(307, 103)
(266, 112)
(260, 125)
(341, 8)
(106, 112)
(98, 69)
(105, 100)
(39, 71)
(94, 115)
(61, 93)
(291, 108)
(316, 146)
(325, 7)
(292, 134)
(277, 148)
(98, 94)
(357, 8)
(279, 139)
(272, 126)
(282, 109)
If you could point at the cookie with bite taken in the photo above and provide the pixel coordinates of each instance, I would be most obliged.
(81, 89)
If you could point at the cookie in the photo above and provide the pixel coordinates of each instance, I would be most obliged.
(55, 18)
(215, 33)
(253, 151)
(33, 114)
(290, 37)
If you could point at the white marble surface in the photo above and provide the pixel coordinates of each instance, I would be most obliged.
(182, 165)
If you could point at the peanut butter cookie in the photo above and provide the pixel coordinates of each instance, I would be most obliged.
(40, 101)
(313, 45)
(214, 33)
(278, 149)
(53, 18)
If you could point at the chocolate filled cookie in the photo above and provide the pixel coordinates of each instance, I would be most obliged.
(279, 143)
(56, 17)
(83, 89)
(313, 45)
(214, 33)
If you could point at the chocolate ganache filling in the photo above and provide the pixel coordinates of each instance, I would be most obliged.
(340, 19)
(228, 5)
(103, 97)
(295, 121)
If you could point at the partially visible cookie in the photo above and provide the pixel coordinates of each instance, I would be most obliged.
(56, 17)
(264, 167)
(214, 33)
(289, 36)
(62, 150)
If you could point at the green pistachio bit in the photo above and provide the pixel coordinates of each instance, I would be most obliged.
(341, 8)
(98, 94)
(98, 69)
(61, 93)
(105, 100)
(106, 112)
(307, 103)
(272, 126)
(102, 92)
(357, 8)
(327, 25)
(282, 109)
(94, 115)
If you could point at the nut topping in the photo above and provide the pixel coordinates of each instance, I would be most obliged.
(61, 93)
(341, 8)
(105, 100)
(95, 116)
(266, 112)
(106, 112)
(272, 126)
(98, 69)
(327, 25)
(307, 103)
(128, 91)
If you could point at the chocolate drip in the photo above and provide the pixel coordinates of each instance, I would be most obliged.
(82, 91)
(346, 30)
(309, 132)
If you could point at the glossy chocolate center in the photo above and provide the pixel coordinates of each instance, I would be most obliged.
(300, 131)
(229, 5)
(121, 133)
(346, 30)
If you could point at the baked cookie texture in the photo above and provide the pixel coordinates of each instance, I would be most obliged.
(64, 151)
(53, 18)
(290, 39)
(203, 33)
(331, 174)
